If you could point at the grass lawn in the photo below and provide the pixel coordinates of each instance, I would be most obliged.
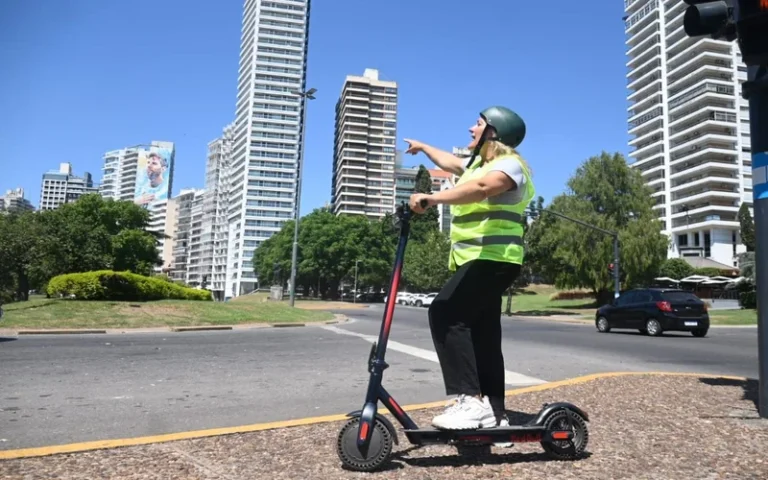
(41, 313)
(733, 317)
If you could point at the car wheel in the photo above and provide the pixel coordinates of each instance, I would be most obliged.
(653, 327)
(602, 325)
(700, 332)
(418, 303)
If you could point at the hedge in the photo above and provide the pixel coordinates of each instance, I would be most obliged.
(125, 286)
(748, 299)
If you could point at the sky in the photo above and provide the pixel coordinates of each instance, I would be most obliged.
(81, 77)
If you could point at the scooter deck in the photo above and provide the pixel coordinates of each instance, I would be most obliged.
(512, 433)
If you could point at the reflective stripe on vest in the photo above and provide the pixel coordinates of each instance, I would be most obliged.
(491, 229)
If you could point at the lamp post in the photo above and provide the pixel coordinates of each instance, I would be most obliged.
(308, 95)
(354, 296)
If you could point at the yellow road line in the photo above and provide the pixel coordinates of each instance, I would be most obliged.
(213, 432)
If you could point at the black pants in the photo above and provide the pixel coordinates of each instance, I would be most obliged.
(465, 320)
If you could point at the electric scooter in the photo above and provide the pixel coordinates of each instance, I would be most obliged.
(365, 442)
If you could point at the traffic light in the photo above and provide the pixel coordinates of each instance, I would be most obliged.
(713, 18)
(742, 20)
(610, 268)
(752, 28)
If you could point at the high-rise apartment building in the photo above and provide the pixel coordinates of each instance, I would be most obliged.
(215, 207)
(14, 201)
(689, 128)
(62, 186)
(142, 174)
(268, 131)
(188, 208)
(363, 180)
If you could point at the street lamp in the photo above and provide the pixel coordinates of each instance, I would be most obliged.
(614, 235)
(354, 296)
(308, 95)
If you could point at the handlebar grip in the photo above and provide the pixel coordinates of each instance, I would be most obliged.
(424, 203)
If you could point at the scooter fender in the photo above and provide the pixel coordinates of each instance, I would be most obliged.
(551, 408)
(382, 419)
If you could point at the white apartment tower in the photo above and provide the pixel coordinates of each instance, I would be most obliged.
(215, 208)
(268, 131)
(126, 176)
(689, 128)
(363, 181)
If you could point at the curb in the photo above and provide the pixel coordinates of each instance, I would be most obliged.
(340, 318)
(216, 432)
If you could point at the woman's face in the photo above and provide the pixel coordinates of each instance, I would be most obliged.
(476, 131)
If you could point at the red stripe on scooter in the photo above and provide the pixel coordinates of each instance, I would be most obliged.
(395, 405)
(392, 299)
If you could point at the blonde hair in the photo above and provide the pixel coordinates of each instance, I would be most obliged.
(493, 149)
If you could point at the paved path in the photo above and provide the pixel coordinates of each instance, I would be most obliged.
(65, 389)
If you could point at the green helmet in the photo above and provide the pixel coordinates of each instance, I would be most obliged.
(510, 128)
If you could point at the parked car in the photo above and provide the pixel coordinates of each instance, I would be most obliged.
(654, 311)
(426, 300)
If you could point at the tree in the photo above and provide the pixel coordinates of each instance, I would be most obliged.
(430, 219)
(426, 262)
(89, 234)
(676, 268)
(747, 227)
(134, 251)
(606, 193)
(19, 233)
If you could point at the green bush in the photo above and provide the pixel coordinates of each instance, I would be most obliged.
(748, 299)
(125, 286)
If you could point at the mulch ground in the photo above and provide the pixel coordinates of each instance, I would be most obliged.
(641, 427)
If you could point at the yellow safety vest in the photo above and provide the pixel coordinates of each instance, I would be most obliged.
(491, 229)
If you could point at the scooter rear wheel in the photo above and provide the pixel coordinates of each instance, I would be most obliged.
(379, 449)
(566, 449)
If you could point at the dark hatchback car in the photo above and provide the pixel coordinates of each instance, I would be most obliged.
(654, 311)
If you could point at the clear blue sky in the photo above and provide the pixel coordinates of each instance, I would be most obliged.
(81, 77)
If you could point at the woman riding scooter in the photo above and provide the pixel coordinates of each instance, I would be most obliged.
(487, 208)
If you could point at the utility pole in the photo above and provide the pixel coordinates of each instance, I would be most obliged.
(747, 22)
(308, 95)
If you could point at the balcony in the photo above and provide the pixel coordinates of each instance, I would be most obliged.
(646, 24)
(640, 94)
(712, 123)
(642, 119)
(644, 105)
(707, 93)
(719, 165)
(692, 118)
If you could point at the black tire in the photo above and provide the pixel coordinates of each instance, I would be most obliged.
(700, 332)
(653, 327)
(379, 450)
(419, 303)
(566, 449)
(602, 325)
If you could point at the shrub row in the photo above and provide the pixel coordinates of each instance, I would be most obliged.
(123, 286)
(572, 295)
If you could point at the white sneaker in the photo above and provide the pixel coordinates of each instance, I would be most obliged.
(503, 423)
(467, 413)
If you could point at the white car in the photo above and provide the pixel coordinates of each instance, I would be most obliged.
(422, 299)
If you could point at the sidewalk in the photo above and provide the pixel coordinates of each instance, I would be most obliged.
(643, 426)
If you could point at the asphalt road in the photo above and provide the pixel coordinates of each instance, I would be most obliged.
(65, 389)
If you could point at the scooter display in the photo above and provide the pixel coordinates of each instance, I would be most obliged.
(366, 440)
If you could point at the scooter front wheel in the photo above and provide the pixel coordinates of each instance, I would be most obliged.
(561, 420)
(379, 448)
